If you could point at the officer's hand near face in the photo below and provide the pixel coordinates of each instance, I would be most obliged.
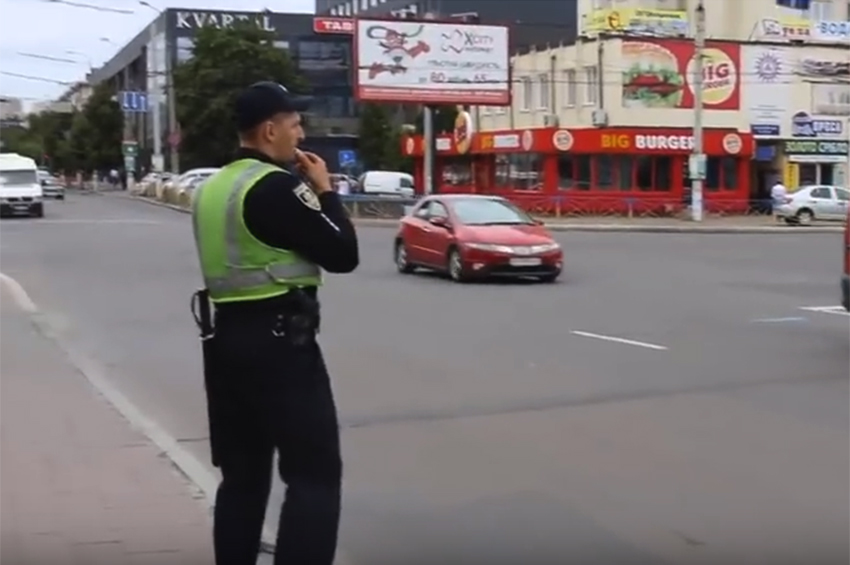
(314, 168)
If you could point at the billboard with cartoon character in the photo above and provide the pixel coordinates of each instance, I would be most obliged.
(431, 62)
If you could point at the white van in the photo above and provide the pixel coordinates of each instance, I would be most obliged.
(389, 183)
(20, 188)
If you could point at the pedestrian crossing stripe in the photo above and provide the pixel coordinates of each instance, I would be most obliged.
(837, 310)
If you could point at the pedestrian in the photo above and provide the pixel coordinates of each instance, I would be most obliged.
(343, 187)
(263, 235)
(778, 195)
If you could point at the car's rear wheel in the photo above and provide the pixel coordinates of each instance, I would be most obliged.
(456, 269)
(805, 217)
(401, 262)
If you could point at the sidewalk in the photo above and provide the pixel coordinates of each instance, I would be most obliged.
(79, 485)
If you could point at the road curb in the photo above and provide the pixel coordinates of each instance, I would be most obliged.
(608, 228)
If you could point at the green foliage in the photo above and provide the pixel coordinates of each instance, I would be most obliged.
(376, 131)
(97, 131)
(444, 119)
(224, 62)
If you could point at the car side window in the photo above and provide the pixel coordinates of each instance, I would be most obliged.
(843, 195)
(422, 211)
(406, 182)
(821, 192)
(438, 210)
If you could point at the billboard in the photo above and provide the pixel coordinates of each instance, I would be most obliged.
(767, 94)
(431, 62)
(659, 74)
(634, 21)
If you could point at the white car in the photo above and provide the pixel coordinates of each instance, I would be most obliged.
(20, 188)
(386, 183)
(814, 202)
(183, 180)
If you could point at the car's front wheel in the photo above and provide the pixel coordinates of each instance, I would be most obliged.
(456, 269)
(401, 261)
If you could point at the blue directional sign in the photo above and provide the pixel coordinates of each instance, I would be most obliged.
(347, 157)
(133, 101)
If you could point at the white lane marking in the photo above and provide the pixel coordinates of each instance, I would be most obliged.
(19, 295)
(198, 473)
(838, 310)
(622, 340)
(780, 320)
(87, 222)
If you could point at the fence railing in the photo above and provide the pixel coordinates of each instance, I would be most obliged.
(552, 206)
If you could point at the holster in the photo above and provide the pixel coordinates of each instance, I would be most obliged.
(301, 320)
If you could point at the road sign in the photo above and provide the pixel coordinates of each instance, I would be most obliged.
(132, 101)
(130, 149)
(347, 157)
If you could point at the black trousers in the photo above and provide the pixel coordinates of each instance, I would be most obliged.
(269, 395)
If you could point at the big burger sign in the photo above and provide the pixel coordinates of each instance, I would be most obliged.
(659, 74)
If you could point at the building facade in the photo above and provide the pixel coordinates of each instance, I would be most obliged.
(611, 117)
(533, 22)
(145, 63)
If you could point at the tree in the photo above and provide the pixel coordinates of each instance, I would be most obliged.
(96, 133)
(443, 117)
(224, 62)
(375, 130)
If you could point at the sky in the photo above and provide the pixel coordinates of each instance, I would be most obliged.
(84, 37)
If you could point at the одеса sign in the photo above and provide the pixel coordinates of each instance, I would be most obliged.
(430, 62)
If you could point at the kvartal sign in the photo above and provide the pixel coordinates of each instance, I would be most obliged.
(197, 20)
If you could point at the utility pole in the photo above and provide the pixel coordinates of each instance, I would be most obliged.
(153, 60)
(697, 164)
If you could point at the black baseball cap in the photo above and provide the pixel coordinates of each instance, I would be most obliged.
(262, 100)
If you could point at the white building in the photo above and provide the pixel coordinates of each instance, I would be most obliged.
(776, 75)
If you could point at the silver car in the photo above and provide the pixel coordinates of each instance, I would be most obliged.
(814, 202)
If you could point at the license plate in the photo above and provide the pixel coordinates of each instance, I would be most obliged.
(20, 206)
(525, 262)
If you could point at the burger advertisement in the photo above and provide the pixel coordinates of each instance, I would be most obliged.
(660, 74)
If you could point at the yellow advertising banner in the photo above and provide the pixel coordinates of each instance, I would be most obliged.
(658, 23)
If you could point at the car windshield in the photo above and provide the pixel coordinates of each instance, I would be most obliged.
(489, 212)
(18, 178)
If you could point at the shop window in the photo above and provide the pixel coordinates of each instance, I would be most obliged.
(456, 171)
(566, 172)
(663, 181)
(721, 173)
(625, 166)
(584, 172)
(644, 173)
(729, 167)
(605, 172)
(519, 171)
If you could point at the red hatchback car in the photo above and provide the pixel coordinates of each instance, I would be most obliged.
(476, 236)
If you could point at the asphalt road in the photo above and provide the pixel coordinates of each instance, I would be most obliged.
(479, 427)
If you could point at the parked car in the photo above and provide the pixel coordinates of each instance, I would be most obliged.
(386, 183)
(53, 188)
(476, 236)
(845, 277)
(814, 202)
(185, 180)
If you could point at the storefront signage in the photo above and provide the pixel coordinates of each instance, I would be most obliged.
(802, 29)
(832, 32)
(767, 94)
(658, 23)
(659, 74)
(798, 147)
(500, 141)
(339, 26)
(197, 20)
(805, 125)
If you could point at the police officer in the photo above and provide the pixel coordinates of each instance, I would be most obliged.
(263, 235)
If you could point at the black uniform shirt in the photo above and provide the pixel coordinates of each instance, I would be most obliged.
(277, 216)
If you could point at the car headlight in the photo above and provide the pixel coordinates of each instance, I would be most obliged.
(491, 247)
(545, 248)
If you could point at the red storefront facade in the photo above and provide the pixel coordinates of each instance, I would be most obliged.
(591, 170)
